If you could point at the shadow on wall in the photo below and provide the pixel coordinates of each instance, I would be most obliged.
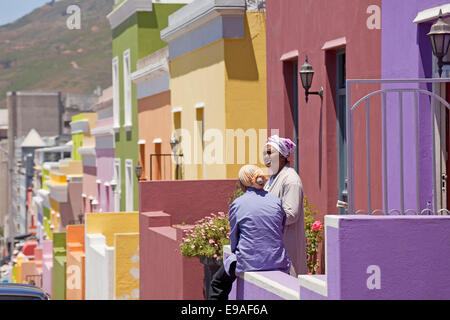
(243, 67)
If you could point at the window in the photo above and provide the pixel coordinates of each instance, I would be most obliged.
(341, 126)
(129, 197)
(177, 148)
(116, 92)
(127, 89)
(200, 142)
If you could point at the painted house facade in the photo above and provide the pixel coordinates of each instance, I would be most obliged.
(84, 141)
(136, 27)
(217, 58)
(349, 49)
(155, 116)
(407, 54)
(104, 150)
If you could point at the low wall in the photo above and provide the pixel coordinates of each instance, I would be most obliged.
(59, 266)
(384, 257)
(47, 266)
(103, 232)
(186, 201)
(165, 272)
(126, 266)
(263, 285)
(38, 256)
(367, 258)
(99, 268)
(75, 262)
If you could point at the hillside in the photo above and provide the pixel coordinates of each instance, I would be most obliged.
(39, 52)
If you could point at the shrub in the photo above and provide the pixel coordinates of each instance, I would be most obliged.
(313, 233)
(207, 237)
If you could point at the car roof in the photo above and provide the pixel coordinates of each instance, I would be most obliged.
(22, 289)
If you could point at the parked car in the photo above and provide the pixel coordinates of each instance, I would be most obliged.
(19, 291)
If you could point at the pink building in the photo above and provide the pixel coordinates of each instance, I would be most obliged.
(47, 266)
(338, 48)
(89, 162)
(164, 272)
(104, 149)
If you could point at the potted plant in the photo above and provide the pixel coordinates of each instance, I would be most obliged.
(205, 241)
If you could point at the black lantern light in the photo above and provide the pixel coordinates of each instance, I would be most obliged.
(306, 75)
(440, 40)
(138, 170)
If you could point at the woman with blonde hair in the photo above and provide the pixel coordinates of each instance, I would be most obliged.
(257, 222)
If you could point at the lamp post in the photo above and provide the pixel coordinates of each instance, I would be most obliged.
(138, 170)
(306, 75)
(80, 217)
(440, 39)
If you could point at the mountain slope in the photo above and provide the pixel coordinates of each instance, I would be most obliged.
(39, 52)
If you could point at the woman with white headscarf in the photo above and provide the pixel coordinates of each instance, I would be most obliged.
(286, 184)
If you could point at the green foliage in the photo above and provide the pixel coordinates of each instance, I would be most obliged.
(207, 238)
(314, 236)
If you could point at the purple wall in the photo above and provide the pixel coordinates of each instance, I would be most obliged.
(369, 258)
(410, 253)
(406, 53)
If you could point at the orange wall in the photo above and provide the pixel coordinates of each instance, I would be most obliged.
(75, 262)
(155, 118)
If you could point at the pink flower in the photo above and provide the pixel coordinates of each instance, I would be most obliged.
(187, 240)
(215, 255)
(192, 246)
(211, 241)
(317, 226)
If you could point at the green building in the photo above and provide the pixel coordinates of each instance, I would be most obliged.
(136, 27)
(59, 266)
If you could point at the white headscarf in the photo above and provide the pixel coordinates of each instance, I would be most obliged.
(284, 146)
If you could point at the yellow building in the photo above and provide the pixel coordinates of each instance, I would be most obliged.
(217, 59)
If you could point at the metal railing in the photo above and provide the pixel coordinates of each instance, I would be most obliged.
(350, 145)
(163, 167)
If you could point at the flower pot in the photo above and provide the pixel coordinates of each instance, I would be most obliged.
(210, 267)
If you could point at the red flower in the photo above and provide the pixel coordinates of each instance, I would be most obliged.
(316, 226)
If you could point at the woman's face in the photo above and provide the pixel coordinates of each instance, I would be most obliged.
(271, 159)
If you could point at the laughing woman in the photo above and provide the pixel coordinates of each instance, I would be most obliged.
(285, 183)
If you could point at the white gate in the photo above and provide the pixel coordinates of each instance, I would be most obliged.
(400, 92)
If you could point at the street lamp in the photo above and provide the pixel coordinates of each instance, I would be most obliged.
(440, 39)
(113, 185)
(306, 75)
(138, 170)
(80, 217)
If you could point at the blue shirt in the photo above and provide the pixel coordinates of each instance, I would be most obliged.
(257, 222)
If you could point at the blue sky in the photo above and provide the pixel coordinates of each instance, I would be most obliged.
(11, 10)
